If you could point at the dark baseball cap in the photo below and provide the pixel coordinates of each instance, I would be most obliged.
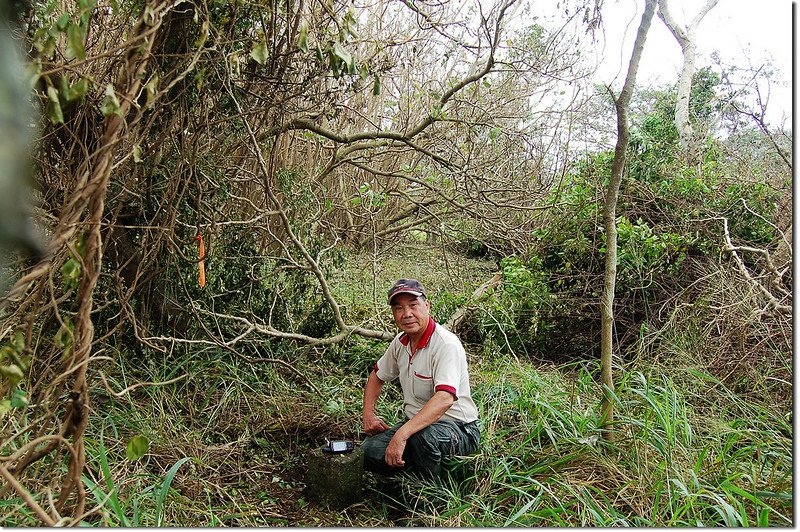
(406, 286)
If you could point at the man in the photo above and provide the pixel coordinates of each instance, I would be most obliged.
(431, 364)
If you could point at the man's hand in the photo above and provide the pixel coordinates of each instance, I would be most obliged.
(394, 451)
(429, 414)
(374, 425)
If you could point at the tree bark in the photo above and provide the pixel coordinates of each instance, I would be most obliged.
(622, 106)
(687, 41)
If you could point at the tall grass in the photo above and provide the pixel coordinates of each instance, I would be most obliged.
(142, 504)
(245, 427)
(542, 464)
(689, 451)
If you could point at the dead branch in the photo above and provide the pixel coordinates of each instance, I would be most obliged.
(774, 302)
(458, 316)
(29, 500)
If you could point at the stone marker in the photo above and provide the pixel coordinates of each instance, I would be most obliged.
(335, 480)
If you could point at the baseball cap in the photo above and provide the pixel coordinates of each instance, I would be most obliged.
(406, 286)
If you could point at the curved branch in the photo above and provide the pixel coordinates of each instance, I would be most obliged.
(29, 500)
(424, 123)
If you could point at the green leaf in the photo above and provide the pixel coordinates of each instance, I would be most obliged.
(53, 109)
(149, 16)
(346, 57)
(63, 22)
(349, 24)
(5, 407)
(302, 38)
(201, 40)
(152, 89)
(320, 55)
(71, 271)
(333, 62)
(113, 498)
(63, 337)
(162, 494)
(137, 447)
(45, 43)
(110, 105)
(137, 153)
(18, 341)
(80, 245)
(19, 399)
(260, 53)
(763, 518)
(74, 92)
(79, 89)
(513, 519)
(75, 46)
(363, 72)
(12, 373)
(701, 375)
(376, 86)
(333, 406)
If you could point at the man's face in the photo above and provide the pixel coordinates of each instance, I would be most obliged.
(411, 313)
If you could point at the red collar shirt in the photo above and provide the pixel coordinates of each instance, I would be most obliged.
(439, 363)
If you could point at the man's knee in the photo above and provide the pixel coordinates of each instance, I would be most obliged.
(369, 444)
(374, 448)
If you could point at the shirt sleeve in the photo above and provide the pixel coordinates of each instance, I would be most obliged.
(386, 368)
(446, 368)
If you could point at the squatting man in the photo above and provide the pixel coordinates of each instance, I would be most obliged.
(431, 364)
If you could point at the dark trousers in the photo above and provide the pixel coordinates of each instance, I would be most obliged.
(425, 450)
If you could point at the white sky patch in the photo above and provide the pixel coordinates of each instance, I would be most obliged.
(743, 32)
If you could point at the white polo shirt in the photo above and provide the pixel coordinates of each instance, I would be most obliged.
(439, 363)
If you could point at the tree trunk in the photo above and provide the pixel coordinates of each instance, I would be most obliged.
(688, 45)
(622, 105)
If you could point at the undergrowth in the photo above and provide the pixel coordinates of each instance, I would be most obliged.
(227, 439)
(227, 447)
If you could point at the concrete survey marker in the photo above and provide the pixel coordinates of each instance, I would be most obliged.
(335, 480)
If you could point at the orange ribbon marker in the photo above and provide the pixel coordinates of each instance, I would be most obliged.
(201, 263)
